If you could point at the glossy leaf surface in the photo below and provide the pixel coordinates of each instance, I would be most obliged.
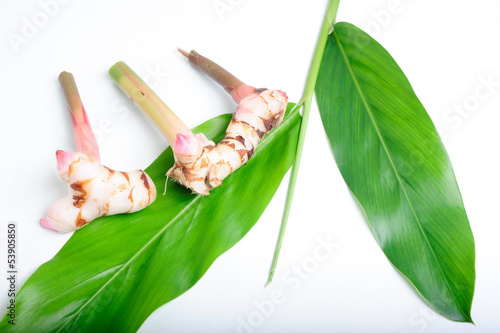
(112, 274)
(394, 163)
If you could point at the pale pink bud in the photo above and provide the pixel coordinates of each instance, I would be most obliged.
(242, 92)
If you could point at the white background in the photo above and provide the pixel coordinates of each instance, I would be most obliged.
(446, 48)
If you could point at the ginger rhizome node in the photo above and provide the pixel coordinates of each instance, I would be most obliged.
(200, 164)
(94, 190)
(203, 167)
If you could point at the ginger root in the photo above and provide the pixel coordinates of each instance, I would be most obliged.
(94, 191)
(201, 166)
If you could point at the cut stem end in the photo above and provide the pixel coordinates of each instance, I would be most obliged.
(183, 52)
(227, 80)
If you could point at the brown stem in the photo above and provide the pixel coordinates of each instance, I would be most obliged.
(227, 80)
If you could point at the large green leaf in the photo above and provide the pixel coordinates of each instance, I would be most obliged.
(112, 274)
(394, 163)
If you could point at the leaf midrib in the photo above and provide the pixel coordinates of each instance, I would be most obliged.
(393, 165)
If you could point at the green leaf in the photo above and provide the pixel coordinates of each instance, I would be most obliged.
(112, 274)
(396, 166)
